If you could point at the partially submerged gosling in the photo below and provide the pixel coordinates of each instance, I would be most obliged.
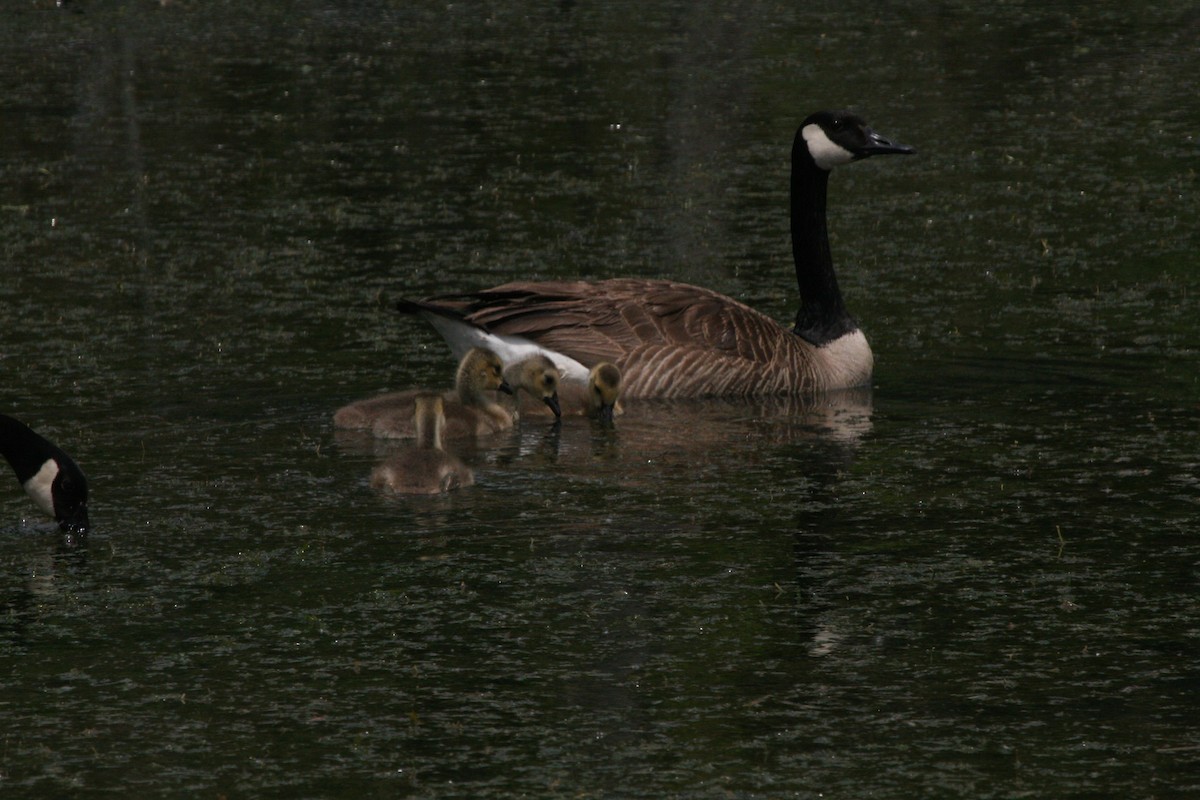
(425, 468)
(470, 410)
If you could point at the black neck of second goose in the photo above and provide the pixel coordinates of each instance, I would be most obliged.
(822, 316)
(24, 450)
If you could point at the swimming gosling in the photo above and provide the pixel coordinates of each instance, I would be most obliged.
(597, 398)
(470, 410)
(424, 468)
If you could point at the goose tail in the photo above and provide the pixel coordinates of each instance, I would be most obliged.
(461, 335)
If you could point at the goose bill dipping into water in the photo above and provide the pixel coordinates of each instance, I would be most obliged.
(47, 474)
(674, 340)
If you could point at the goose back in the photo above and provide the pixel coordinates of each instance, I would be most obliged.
(669, 339)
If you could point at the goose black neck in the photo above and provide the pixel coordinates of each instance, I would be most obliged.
(822, 316)
(24, 450)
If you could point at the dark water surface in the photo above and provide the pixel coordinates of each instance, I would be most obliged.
(979, 579)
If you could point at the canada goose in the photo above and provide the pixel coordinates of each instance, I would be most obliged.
(676, 340)
(424, 468)
(49, 476)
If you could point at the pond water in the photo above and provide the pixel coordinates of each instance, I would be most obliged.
(977, 579)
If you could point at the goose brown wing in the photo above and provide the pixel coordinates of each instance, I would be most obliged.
(610, 320)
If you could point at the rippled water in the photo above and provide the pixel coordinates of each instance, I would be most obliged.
(977, 579)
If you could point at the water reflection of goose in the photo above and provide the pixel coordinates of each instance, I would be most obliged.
(713, 426)
(674, 340)
(424, 468)
(654, 438)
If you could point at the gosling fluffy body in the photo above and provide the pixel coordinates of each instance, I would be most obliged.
(470, 409)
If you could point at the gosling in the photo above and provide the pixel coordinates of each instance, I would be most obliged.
(424, 468)
(470, 409)
(598, 398)
(537, 377)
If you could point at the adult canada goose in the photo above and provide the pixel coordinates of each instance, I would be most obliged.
(48, 475)
(470, 409)
(425, 468)
(674, 340)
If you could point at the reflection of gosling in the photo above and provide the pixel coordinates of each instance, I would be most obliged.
(425, 468)
(538, 377)
(603, 389)
(47, 474)
(470, 410)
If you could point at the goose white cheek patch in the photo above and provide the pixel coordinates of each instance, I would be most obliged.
(825, 152)
(38, 487)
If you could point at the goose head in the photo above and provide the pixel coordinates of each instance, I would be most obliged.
(833, 138)
(49, 476)
(538, 376)
(480, 371)
(603, 389)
